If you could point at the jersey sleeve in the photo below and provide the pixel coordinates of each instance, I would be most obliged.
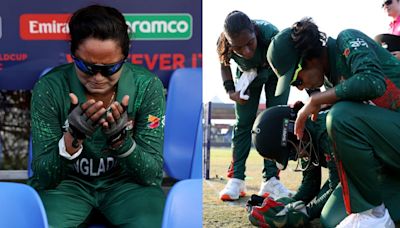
(49, 168)
(310, 185)
(315, 207)
(366, 80)
(145, 163)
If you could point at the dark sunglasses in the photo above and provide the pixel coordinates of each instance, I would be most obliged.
(92, 69)
(296, 81)
(387, 3)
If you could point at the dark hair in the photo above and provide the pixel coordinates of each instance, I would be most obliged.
(308, 39)
(100, 22)
(234, 24)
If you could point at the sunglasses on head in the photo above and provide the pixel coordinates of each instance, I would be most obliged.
(386, 3)
(92, 69)
(296, 81)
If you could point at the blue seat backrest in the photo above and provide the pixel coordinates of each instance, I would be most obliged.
(45, 71)
(20, 206)
(196, 171)
(182, 122)
(183, 207)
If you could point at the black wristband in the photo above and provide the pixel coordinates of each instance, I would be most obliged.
(229, 85)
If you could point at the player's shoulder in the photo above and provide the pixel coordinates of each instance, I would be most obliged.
(349, 34)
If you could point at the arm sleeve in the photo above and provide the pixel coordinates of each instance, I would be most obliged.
(310, 185)
(315, 207)
(48, 166)
(367, 79)
(145, 163)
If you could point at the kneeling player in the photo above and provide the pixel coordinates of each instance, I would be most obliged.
(274, 139)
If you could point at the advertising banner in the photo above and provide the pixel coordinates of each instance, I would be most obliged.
(34, 36)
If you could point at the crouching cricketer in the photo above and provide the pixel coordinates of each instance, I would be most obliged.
(274, 139)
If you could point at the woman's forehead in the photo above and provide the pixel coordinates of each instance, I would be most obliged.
(241, 39)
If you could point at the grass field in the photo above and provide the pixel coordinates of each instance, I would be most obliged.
(217, 213)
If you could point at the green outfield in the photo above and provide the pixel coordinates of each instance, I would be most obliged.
(217, 213)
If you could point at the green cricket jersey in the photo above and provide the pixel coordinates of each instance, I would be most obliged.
(362, 70)
(97, 165)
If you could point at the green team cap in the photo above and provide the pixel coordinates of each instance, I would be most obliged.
(283, 58)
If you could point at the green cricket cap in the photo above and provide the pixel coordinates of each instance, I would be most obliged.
(283, 58)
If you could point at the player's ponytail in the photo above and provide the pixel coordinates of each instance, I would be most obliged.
(224, 50)
(308, 39)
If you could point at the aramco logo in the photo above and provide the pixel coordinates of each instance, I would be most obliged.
(160, 26)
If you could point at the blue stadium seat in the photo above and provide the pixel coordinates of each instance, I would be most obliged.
(20, 206)
(196, 171)
(45, 71)
(183, 149)
(183, 131)
(183, 207)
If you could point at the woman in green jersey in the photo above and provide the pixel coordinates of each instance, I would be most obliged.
(97, 129)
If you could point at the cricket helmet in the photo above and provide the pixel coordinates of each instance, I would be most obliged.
(273, 134)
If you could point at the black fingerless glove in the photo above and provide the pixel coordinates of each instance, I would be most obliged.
(255, 200)
(117, 130)
(79, 125)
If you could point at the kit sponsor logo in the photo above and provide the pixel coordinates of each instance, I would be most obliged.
(44, 26)
(160, 26)
(153, 121)
(177, 26)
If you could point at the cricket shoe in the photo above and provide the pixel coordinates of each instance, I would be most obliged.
(234, 189)
(367, 219)
(275, 189)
